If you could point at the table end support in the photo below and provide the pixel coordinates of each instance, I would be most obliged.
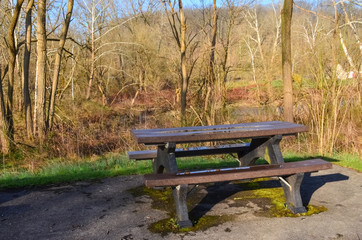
(255, 151)
(166, 159)
(274, 152)
(292, 193)
(179, 195)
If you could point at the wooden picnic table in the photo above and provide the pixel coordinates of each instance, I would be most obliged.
(265, 138)
(262, 134)
(161, 136)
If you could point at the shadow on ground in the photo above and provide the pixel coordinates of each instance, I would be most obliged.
(214, 195)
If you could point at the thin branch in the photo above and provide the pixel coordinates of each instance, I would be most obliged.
(5, 72)
(121, 91)
(111, 43)
(354, 2)
(313, 12)
(109, 30)
(29, 6)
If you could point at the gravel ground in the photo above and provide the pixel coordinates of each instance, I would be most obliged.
(106, 210)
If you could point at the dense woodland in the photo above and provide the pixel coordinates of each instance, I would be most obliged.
(76, 76)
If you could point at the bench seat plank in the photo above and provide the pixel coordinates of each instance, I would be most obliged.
(193, 151)
(155, 180)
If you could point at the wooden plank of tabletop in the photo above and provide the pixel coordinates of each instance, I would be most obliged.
(216, 133)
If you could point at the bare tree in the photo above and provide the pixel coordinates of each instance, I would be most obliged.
(253, 20)
(26, 65)
(228, 38)
(177, 22)
(4, 128)
(7, 108)
(351, 25)
(95, 11)
(58, 59)
(185, 76)
(210, 102)
(287, 59)
(40, 111)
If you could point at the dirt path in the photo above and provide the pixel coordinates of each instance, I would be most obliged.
(106, 210)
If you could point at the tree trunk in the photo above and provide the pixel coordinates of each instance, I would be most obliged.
(287, 59)
(352, 26)
(267, 76)
(12, 51)
(184, 76)
(210, 100)
(27, 50)
(226, 47)
(4, 138)
(40, 124)
(179, 33)
(58, 59)
(91, 75)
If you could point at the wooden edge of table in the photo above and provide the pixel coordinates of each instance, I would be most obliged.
(290, 168)
(190, 137)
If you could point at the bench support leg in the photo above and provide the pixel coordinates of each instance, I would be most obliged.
(257, 150)
(165, 159)
(179, 195)
(292, 192)
(274, 152)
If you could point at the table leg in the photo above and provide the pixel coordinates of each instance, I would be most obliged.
(274, 152)
(179, 195)
(165, 159)
(291, 184)
(291, 187)
(257, 150)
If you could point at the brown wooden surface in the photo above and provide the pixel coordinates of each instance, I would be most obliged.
(193, 151)
(216, 133)
(153, 180)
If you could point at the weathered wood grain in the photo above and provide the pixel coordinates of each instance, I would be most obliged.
(216, 133)
(192, 151)
(153, 180)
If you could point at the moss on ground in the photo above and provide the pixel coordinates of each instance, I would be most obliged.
(161, 198)
(169, 225)
(264, 193)
(274, 200)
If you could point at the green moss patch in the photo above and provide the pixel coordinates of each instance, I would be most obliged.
(161, 198)
(264, 193)
(169, 225)
(270, 200)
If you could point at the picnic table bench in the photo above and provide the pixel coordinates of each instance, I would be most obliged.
(265, 138)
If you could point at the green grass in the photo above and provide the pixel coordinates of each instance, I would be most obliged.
(347, 160)
(57, 172)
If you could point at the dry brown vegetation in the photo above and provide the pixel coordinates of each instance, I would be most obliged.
(121, 69)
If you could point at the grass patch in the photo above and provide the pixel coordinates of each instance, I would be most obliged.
(60, 171)
(346, 160)
(353, 161)
(56, 172)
